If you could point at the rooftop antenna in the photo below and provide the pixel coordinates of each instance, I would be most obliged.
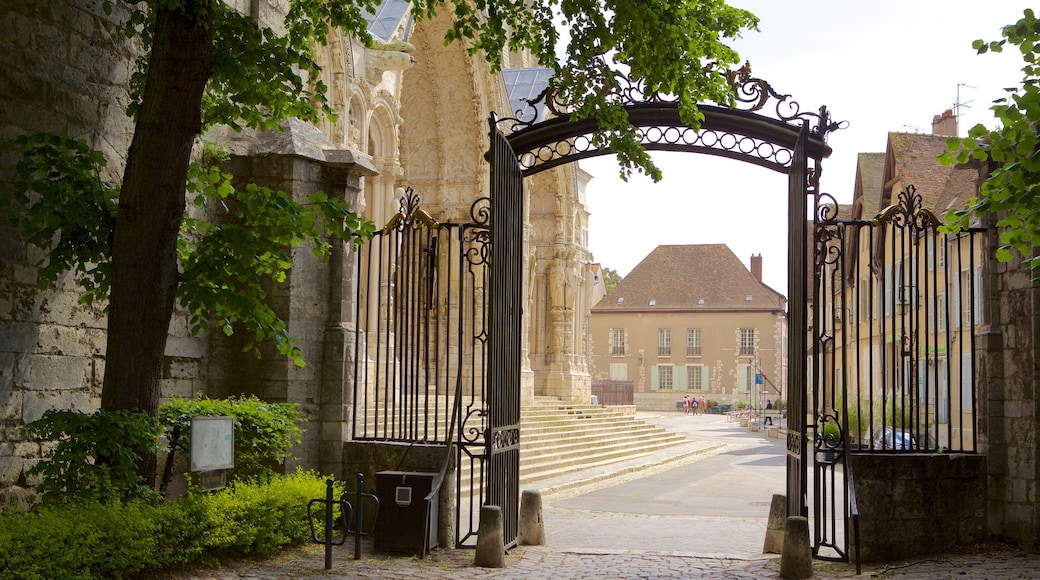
(958, 104)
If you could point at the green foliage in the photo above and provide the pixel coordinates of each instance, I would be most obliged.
(64, 208)
(247, 237)
(1012, 191)
(119, 541)
(226, 259)
(743, 404)
(674, 47)
(85, 541)
(94, 457)
(610, 278)
(265, 433)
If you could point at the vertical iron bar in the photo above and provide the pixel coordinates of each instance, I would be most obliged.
(328, 523)
(358, 518)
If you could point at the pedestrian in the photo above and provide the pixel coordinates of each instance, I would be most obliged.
(769, 417)
(694, 405)
(686, 404)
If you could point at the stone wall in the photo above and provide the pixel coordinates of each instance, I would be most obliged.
(1008, 403)
(916, 505)
(65, 71)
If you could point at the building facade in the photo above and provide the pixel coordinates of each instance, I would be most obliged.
(692, 319)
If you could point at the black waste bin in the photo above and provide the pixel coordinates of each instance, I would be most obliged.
(407, 522)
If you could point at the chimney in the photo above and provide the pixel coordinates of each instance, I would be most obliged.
(945, 124)
(756, 266)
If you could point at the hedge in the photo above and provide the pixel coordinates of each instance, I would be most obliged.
(93, 540)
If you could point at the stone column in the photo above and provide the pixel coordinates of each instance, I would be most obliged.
(342, 176)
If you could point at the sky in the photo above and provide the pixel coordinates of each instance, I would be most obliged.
(882, 66)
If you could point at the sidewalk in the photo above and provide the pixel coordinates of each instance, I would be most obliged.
(709, 435)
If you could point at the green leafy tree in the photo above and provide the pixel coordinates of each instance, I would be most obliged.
(1012, 190)
(204, 64)
(610, 278)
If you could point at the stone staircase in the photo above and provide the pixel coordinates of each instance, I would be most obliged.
(559, 438)
(569, 440)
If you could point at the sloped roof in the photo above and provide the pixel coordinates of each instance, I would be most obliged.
(523, 84)
(387, 18)
(911, 159)
(679, 277)
(870, 171)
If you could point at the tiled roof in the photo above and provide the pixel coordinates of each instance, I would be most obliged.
(911, 159)
(387, 18)
(524, 84)
(870, 171)
(680, 277)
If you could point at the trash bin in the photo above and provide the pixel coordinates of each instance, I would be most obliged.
(407, 522)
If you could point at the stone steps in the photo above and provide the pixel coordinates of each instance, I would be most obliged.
(559, 438)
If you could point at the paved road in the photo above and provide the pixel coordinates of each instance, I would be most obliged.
(715, 503)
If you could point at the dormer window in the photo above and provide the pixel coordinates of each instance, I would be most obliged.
(700, 302)
(653, 302)
(621, 300)
(748, 298)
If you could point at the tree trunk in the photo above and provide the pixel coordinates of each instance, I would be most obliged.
(151, 206)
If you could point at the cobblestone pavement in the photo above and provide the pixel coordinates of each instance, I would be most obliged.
(572, 554)
(538, 563)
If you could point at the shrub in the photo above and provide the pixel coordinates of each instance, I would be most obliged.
(96, 456)
(264, 432)
(94, 540)
(87, 540)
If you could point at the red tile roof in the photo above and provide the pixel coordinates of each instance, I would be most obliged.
(679, 277)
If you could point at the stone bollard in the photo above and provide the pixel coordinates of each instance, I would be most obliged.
(796, 560)
(774, 543)
(530, 527)
(491, 552)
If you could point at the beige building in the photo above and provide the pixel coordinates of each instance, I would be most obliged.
(692, 319)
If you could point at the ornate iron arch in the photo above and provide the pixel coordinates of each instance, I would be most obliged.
(739, 132)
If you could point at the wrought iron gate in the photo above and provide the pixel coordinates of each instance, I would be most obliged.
(792, 142)
(507, 222)
(895, 313)
(421, 350)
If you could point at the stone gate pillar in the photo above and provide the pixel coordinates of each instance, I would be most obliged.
(316, 301)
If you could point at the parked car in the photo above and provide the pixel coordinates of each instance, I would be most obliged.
(891, 438)
(900, 439)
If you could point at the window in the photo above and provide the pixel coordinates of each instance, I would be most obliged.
(665, 376)
(618, 372)
(967, 379)
(745, 377)
(693, 342)
(661, 377)
(664, 342)
(697, 377)
(747, 342)
(617, 342)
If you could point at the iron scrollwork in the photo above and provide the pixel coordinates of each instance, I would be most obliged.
(908, 212)
(506, 438)
(473, 433)
(409, 215)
